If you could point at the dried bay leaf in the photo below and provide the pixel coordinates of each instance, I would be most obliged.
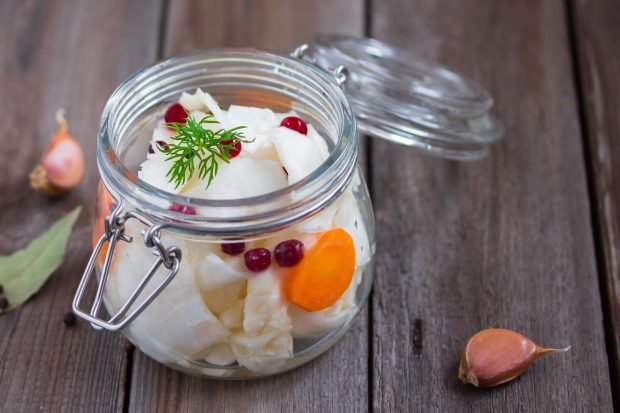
(24, 272)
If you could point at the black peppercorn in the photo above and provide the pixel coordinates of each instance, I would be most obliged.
(4, 303)
(1, 288)
(69, 319)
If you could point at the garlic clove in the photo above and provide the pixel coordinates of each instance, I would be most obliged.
(495, 356)
(62, 164)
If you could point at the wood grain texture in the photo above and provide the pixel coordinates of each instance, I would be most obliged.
(267, 24)
(506, 241)
(597, 25)
(55, 54)
(338, 380)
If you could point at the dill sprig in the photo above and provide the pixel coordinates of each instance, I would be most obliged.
(194, 143)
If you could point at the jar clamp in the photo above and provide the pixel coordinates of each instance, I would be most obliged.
(169, 257)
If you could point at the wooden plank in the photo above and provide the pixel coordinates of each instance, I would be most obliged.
(338, 380)
(502, 242)
(54, 54)
(597, 25)
(268, 24)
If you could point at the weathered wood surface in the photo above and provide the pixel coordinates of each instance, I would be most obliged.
(502, 242)
(54, 54)
(597, 31)
(272, 24)
(507, 241)
(338, 380)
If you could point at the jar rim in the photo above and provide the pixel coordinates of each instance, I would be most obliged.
(339, 164)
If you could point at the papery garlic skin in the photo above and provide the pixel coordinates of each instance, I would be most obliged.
(62, 163)
(495, 356)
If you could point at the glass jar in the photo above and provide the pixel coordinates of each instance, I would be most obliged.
(159, 261)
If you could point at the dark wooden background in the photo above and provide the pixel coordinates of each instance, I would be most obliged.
(526, 239)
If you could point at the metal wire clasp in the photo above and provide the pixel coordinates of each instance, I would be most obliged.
(169, 257)
(340, 73)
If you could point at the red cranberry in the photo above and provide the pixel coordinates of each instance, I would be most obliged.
(233, 248)
(163, 145)
(233, 152)
(257, 259)
(160, 144)
(175, 114)
(183, 209)
(288, 253)
(296, 124)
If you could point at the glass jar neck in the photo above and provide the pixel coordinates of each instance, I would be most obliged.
(238, 76)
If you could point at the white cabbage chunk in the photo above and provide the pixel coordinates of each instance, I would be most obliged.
(220, 115)
(199, 115)
(232, 317)
(265, 341)
(349, 218)
(318, 141)
(263, 304)
(256, 124)
(220, 354)
(221, 282)
(220, 299)
(299, 155)
(154, 169)
(213, 272)
(262, 353)
(241, 178)
(161, 133)
(323, 221)
(191, 102)
(261, 148)
(177, 324)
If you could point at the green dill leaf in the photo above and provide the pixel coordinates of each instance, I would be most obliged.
(193, 143)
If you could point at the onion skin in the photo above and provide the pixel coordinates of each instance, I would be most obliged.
(62, 165)
(495, 356)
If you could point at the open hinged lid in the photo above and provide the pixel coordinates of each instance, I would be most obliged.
(406, 99)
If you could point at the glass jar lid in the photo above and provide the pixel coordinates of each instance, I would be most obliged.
(404, 98)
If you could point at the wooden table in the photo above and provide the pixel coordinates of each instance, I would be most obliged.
(526, 239)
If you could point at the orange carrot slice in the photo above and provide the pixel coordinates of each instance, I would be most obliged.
(324, 273)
